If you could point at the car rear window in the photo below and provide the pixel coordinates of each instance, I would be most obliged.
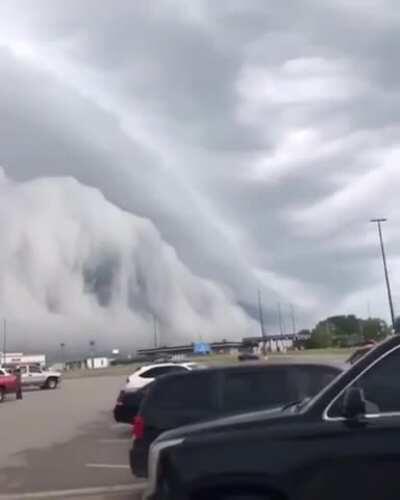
(192, 391)
(162, 370)
(310, 380)
(255, 389)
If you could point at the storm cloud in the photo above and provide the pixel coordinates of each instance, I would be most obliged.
(258, 137)
(73, 264)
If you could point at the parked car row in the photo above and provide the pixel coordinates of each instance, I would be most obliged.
(342, 443)
(179, 394)
(180, 399)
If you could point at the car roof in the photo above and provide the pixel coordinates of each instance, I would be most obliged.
(247, 366)
(161, 365)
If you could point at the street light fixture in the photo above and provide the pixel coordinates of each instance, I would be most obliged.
(385, 268)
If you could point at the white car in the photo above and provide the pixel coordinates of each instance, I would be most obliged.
(146, 374)
(34, 375)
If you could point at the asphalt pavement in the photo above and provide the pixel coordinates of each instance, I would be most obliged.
(65, 444)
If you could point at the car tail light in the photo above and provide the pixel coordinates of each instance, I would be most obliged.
(138, 427)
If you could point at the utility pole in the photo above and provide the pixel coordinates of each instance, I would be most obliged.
(4, 341)
(385, 268)
(261, 318)
(92, 344)
(280, 318)
(155, 331)
(293, 316)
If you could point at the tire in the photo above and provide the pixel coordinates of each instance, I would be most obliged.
(2, 394)
(52, 383)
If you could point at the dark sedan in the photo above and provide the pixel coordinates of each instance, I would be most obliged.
(128, 403)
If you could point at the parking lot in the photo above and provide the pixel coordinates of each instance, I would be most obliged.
(65, 444)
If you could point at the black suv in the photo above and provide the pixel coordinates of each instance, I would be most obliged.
(183, 398)
(343, 444)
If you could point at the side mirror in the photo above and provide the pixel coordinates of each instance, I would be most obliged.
(354, 405)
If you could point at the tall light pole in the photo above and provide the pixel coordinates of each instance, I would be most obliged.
(280, 319)
(155, 330)
(262, 325)
(385, 268)
(293, 316)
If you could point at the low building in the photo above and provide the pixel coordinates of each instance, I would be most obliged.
(92, 363)
(20, 358)
(273, 343)
(98, 362)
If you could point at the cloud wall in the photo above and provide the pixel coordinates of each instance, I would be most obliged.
(74, 267)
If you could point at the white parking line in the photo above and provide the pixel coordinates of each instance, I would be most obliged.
(115, 440)
(107, 466)
(119, 426)
(128, 488)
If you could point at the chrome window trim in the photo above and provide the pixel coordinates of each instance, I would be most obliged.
(325, 415)
(154, 455)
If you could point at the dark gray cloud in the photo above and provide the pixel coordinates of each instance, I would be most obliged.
(259, 137)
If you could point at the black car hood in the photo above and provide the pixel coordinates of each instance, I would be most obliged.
(209, 425)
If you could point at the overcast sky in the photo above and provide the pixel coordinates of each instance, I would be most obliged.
(259, 137)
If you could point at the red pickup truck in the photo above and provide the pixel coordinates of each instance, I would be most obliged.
(8, 383)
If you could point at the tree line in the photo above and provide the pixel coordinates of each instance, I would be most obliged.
(345, 331)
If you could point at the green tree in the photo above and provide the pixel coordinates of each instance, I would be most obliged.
(344, 325)
(375, 329)
(321, 337)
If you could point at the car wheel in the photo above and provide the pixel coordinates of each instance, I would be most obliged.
(2, 394)
(52, 383)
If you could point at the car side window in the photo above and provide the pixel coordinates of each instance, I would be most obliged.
(381, 387)
(35, 369)
(254, 389)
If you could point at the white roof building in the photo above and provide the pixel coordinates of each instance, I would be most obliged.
(19, 358)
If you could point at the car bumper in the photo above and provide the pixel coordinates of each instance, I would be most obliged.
(124, 415)
(138, 458)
